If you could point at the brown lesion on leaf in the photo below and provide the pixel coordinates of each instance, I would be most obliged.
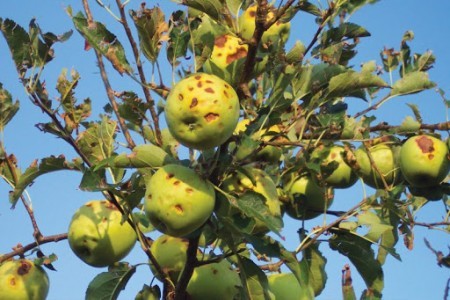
(210, 117)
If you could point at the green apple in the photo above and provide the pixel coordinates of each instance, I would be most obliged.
(218, 281)
(284, 285)
(341, 174)
(21, 279)
(149, 293)
(386, 159)
(98, 235)
(277, 33)
(260, 183)
(424, 161)
(178, 201)
(307, 199)
(227, 49)
(170, 253)
(202, 111)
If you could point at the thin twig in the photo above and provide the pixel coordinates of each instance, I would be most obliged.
(325, 17)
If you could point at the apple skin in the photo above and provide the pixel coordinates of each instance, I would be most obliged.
(178, 201)
(98, 235)
(277, 33)
(239, 183)
(22, 279)
(283, 285)
(386, 158)
(202, 111)
(343, 176)
(424, 161)
(227, 49)
(218, 281)
(307, 199)
(170, 253)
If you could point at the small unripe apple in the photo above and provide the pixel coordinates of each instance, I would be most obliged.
(284, 285)
(178, 201)
(262, 184)
(386, 159)
(218, 281)
(227, 49)
(23, 280)
(202, 111)
(277, 33)
(98, 235)
(170, 253)
(307, 199)
(342, 175)
(424, 161)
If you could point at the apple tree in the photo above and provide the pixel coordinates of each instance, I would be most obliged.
(256, 127)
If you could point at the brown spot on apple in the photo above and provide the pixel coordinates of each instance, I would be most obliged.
(240, 53)
(179, 208)
(169, 175)
(189, 191)
(24, 268)
(180, 97)
(198, 77)
(209, 90)
(220, 41)
(194, 102)
(177, 182)
(12, 281)
(199, 84)
(209, 81)
(252, 13)
(430, 156)
(210, 117)
(190, 88)
(425, 144)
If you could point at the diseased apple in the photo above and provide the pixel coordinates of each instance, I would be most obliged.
(202, 111)
(277, 33)
(284, 285)
(424, 161)
(98, 235)
(21, 279)
(334, 170)
(386, 159)
(307, 199)
(261, 183)
(218, 281)
(170, 253)
(227, 49)
(178, 201)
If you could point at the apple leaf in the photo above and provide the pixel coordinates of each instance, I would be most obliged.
(301, 272)
(108, 285)
(104, 41)
(308, 7)
(7, 108)
(347, 83)
(411, 83)
(47, 165)
(151, 27)
(409, 125)
(179, 38)
(360, 253)
(255, 279)
(376, 226)
(213, 8)
(19, 43)
(316, 263)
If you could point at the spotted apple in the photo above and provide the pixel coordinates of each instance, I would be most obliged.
(334, 170)
(178, 201)
(424, 161)
(218, 281)
(22, 279)
(277, 33)
(227, 49)
(202, 111)
(307, 199)
(98, 235)
(383, 167)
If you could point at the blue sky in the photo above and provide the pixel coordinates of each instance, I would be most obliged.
(56, 196)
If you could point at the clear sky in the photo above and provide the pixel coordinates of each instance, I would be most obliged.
(56, 196)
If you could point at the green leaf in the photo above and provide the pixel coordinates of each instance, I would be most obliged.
(108, 285)
(411, 83)
(255, 279)
(8, 109)
(343, 31)
(360, 253)
(316, 263)
(47, 165)
(308, 7)
(425, 61)
(301, 272)
(351, 6)
(101, 39)
(246, 147)
(19, 44)
(409, 125)
(212, 8)
(151, 26)
(252, 205)
(179, 38)
(376, 225)
(347, 83)
(97, 141)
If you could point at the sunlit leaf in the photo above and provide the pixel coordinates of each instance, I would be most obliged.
(411, 83)
(108, 285)
(8, 109)
(316, 263)
(179, 37)
(255, 279)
